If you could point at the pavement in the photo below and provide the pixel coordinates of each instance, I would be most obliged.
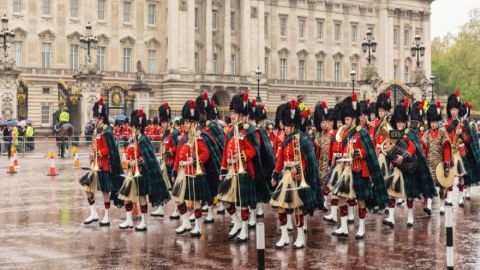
(41, 228)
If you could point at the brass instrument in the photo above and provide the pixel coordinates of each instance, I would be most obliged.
(297, 156)
(241, 169)
(456, 155)
(456, 138)
(95, 152)
(344, 187)
(137, 171)
(198, 168)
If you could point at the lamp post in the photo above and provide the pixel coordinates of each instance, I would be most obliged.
(88, 41)
(417, 49)
(258, 72)
(7, 37)
(353, 76)
(369, 45)
(432, 83)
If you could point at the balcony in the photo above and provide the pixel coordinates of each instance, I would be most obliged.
(309, 83)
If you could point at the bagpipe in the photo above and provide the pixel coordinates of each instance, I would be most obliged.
(343, 187)
(90, 180)
(129, 189)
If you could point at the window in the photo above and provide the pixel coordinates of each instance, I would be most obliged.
(46, 91)
(301, 70)
(406, 38)
(233, 64)
(395, 72)
(45, 114)
(418, 31)
(232, 21)
(197, 63)
(283, 69)
(338, 31)
(355, 67)
(74, 8)
(266, 66)
(46, 54)
(152, 61)
(320, 30)
(46, 7)
(74, 56)
(152, 10)
(405, 74)
(320, 71)
(283, 26)
(101, 10)
(265, 26)
(215, 64)
(214, 20)
(354, 33)
(395, 36)
(338, 71)
(17, 6)
(17, 53)
(127, 59)
(301, 28)
(196, 18)
(101, 58)
(126, 11)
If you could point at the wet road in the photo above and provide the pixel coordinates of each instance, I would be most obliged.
(42, 217)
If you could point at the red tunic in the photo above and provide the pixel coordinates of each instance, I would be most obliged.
(184, 156)
(117, 132)
(287, 155)
(246, 147)
(336, 150)
(127, 131)
(131, 155)
(168, 144)
(102, 148)
(358, 165)
(149, 132)
(279, 137)
(451, 135)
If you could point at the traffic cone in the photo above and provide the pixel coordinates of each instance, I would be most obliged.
(124, 161)
(52, 171)
(76, 160)
(15, 160)
(135, 211)
(11, 167)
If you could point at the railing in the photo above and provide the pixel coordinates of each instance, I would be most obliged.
(309, 83)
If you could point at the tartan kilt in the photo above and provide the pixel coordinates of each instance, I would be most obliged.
(155, 190)
(263, 192)
(198, 189)
(362, 186)
(410, 186)
(248, 195)
(213, 188)
(105, 182)
(309, 200)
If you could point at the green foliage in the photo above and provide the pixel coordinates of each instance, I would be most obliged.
(456, 61)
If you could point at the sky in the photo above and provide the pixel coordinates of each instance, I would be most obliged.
(449, 15)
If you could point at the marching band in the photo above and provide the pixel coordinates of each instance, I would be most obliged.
(353, 158)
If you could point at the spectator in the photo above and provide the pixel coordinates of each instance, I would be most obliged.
(29, 133)
(7, 137)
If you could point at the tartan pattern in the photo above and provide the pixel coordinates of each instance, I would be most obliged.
(380, 195)
(362, 186)
(218, 133)
(472, 159)
(247, 191)
(212, 166)
(422, 178)
(154, 186)
(312, 197)
(175, 133)
(105, 183)
(410, 185)
(115, 166)
(262, 185)
(198, 189)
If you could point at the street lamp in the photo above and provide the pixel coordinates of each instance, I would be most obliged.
(353, 76)
(369, 45)
(432, 83)
(417, 49)
(7, 37)
(258, 72)
(88, 41)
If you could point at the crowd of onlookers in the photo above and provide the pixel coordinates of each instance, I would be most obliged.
(21, 137)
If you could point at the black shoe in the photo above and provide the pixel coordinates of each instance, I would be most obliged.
(290, 229)
(107, 224)
(388, 223)
(467, 198)
(350, 221)
(174, 217)
(461, 205)
(400, 203)
(250, 227)
(359, 237)
(90, 221)
(124, 228)
(442, 213)
(427, 210)
(340, 235)
(295, 247)
(448, 204)
(141, 230)
(409, 225)
(156, 215)
(240, 240)
(204, 210)
(260, 215)
(195, 235)
(329, 220)
(277, 247)
(184, 231)
(232, 237)
(208, 221)
(221, 212)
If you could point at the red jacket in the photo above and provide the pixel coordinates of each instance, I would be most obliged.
(102, 148)
(358, 165)
(246, 147)
(185, 152)
(286, 154)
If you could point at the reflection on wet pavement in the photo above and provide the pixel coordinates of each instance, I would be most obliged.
(42, 217)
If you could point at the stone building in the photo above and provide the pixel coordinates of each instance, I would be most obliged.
(301, 47)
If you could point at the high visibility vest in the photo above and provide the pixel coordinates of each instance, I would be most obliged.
(64, 117)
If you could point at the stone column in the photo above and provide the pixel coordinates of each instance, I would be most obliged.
(261, 35)
(173, 35)
(227, 39)
(245, 38)
(89, 87)
(208, 37)
(191, 36)
(8, 93)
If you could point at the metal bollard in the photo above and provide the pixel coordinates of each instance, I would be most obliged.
(449, 235)
(260, 230)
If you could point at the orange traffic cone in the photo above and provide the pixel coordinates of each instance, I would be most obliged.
(11, 167)
(124, 161)
(52, 171)
(135, 212)
(15, 160)
(76, 162)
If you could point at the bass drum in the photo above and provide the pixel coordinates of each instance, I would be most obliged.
(409, 164)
